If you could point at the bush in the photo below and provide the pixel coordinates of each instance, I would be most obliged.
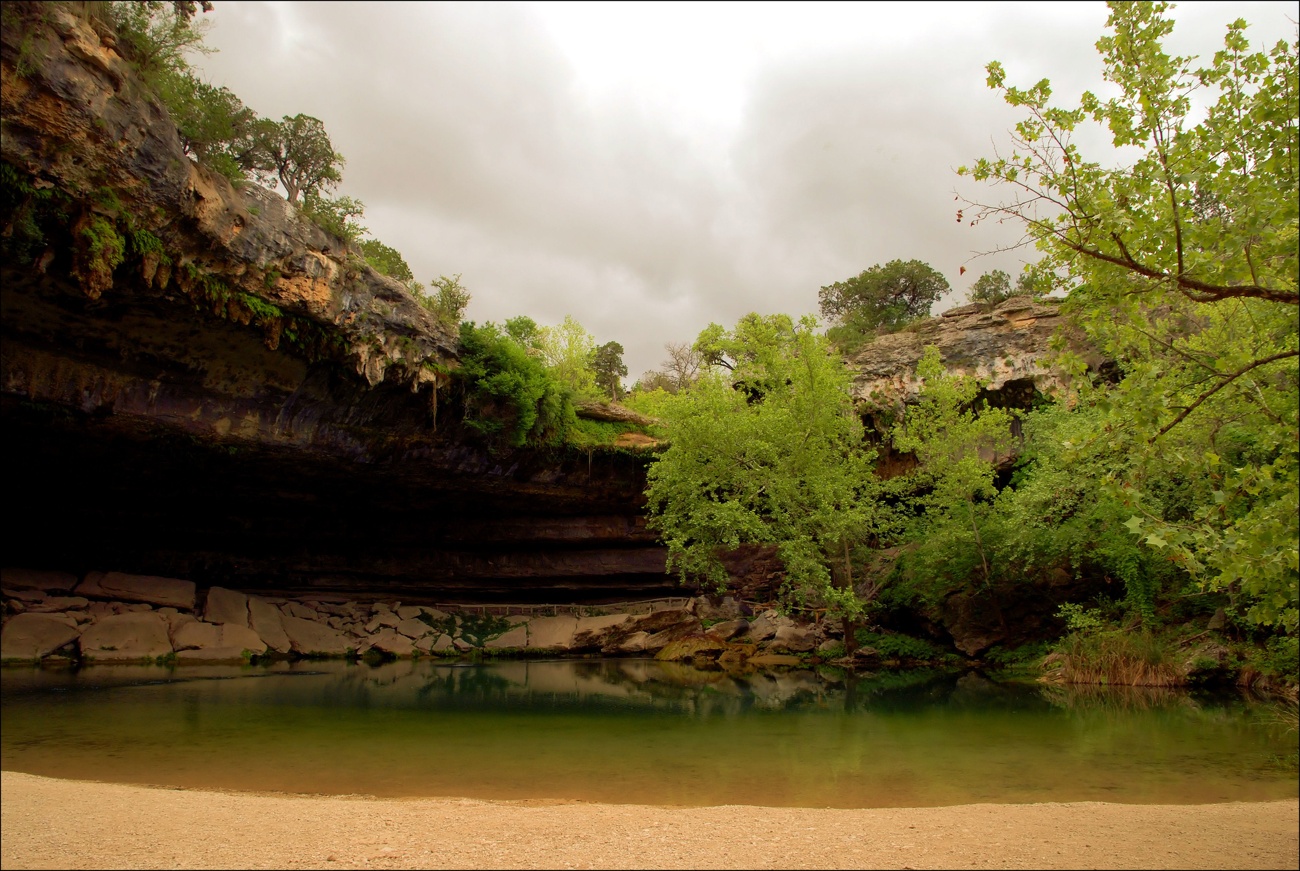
(509, 396)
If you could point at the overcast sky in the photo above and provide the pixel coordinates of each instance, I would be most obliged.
(651, 168)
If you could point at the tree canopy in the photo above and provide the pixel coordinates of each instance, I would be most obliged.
(297, 153)
(767, 452)
(607, 363)
(1183, 269)
(884, 296)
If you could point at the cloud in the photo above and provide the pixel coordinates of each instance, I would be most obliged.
(564, 176)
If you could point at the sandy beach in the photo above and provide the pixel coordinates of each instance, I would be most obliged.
(50, 823)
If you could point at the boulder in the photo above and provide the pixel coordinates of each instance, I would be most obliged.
(772, 659)
(595, 632)
(689, 648)
(383, 619)
(126, 637)
(716, 608)
(195, 636)
(409, 612)
(412, 628)
(266, 620)
(552, 633)
(32, 579)
(728, 629)
(796, 639)
(298, 609)
(309, 638)
(58, 603)
(154, 590)
(634, 643)
(31, 636)
(394, 642)
(226, 606)
(515, 637)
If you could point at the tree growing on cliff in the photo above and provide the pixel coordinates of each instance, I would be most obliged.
(882, 298)
(567, 350)
(783, 464)
(297, 153)
(607, 363)
(1185, 266)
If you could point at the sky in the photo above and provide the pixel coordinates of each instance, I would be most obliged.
(651, 168)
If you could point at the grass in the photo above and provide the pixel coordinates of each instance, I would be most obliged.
(1119, 657)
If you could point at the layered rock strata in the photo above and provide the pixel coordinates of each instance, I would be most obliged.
(118, 617)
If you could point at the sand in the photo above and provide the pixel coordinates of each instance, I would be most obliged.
(51, 823)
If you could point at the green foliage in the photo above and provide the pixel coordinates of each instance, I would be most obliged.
(104, 251)
(991, 287)
(609, 368)
(216, 128)
(893, 645)
(334, 216)
(510, 397)
(1185, 268)
(449, 300)
(389, 261)
(297, 153)
(568, 350)
(155, 36)
(770, 454)
(882, 298)
(954, 443)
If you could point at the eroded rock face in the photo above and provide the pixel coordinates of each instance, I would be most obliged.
(1007, 344)
(242, 400)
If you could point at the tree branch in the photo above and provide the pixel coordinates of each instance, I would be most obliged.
(1222, 384)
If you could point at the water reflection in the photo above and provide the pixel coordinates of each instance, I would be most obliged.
(637, 731)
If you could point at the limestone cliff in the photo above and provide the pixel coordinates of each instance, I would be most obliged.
(1007, 346)
(197, 382)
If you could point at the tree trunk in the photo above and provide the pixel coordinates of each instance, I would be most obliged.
(850, 628)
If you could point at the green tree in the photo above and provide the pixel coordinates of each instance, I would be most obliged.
(335, 215)
(769, 452)
(389, 261)
(510, 398)
(1185, 272)
(525, 331)
(956, 440)
(216, 128)
(567, 350)
(155, 36)
(297, 153)
(883, 297)
(991, 287)
(449, 299)
(607, 363)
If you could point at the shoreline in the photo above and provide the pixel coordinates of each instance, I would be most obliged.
(53, 823)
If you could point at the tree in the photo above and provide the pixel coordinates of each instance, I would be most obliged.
(883, 297)
(679, 371)
(510, 398)
(525, 331)
(449, 299)
(155, 36)
(607, 363)
(954, 441)
(1185, 268)
(335, 215)
(216, 128)
(297, 153)
(567, 350)
(784, 466)
(991, 287)
(389, 261)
